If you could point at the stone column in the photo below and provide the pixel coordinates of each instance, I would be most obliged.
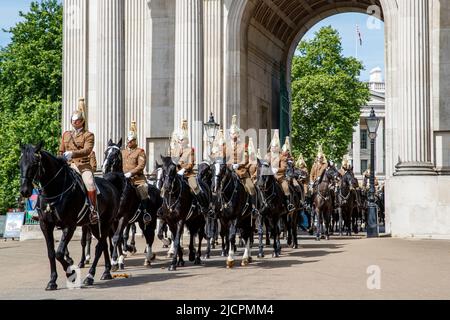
(379, 158)
(415, 150)
(213, 43)
(75, 40)
(357, 149)
(135, 33)
(110, 62)
(189, 70)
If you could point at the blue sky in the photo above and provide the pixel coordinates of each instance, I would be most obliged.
(371, 52)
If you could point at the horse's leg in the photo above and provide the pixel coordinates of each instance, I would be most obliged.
(225, 244)
(201, 236)
(83, 246)
(260, 236)
(89, 280)
(178, 233)
(232, 245)
(67, 234)
(67, 256)
(289, 231)
(294, 230)
(191, 246)
(125, 236)
(318, 224)
(247, 257)
(276, 234)
(117, 241)
(107, 273)
(88, 246)
(149, 234)
(133, 239)
(47, 230)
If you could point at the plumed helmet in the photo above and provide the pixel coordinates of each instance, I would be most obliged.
(301, 162)
(183, 134)
(321, 154)
(219, 141)
(132, 134)
(251, 148)
(287, 145)
(80, 113)
(276, 139)
(345, 162)
(234, 129)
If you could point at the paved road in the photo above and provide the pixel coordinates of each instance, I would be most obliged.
(335, 269)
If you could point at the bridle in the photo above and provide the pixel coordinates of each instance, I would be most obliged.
(108, 151)
(171, 206)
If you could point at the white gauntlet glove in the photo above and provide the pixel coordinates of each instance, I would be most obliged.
(274, 170)
(68, 155)
(181, 172)
(235, 166)
(128, 175)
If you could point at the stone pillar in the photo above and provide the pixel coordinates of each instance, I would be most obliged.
(357, 149)
(415, 150)
(379, 158)
(135, 33)
(189, 70)
(75, 41)
(110, 74)
(213, 43)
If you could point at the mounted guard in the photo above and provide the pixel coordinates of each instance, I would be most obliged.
(238, 158)
(134, 162)
(76, 148)
(184, 157)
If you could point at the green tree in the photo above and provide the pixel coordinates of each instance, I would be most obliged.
(30, 90)
(326, 96)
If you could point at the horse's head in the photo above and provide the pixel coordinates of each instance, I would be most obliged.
(220, 169)
(204, 172)
(332, 173)
(264, 174)
(30, 168)
(169, 172)
(113, 157)
(159, 172)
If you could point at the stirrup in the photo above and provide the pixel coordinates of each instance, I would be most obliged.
(93, 216)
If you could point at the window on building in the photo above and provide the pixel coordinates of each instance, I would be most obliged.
(364, 139)
(364, 165)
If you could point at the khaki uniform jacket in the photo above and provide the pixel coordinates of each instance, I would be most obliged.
(317, 170)
(81, 144)
(185, 159)
(93, 161)
(278, 162)
(239, 155)
(134, 161)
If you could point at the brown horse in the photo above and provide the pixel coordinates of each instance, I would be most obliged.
(323, 202)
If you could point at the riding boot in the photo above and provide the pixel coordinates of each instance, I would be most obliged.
(145, 209)
(93, 216)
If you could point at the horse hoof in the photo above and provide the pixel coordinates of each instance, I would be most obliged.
(121, 266)
(250, 259)
(170, 255)
(197, 261)
(114, 268)
(51, 286)
(230, 264)
(191, 257)
(172, 268)
(207, 256)
(70, 262)
(181, 263)
(88, 281)
(106, 276)
(260, 255)
(153, 257)
(222, 254)
(244, 262)
(328, 237)
(147, 263)
(295, 246)
(81, 265)
(125, 254)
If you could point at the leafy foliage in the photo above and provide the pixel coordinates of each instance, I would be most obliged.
(30, 91)
(326, 96)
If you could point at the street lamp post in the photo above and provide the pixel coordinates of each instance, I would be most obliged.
(211, 128)
(372, 216)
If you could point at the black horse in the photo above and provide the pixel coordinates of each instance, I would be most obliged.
(130, 208)
(63, 203)
(297, 199)
(235, 211)
(179, 209)
(272, 206)
(346, 200)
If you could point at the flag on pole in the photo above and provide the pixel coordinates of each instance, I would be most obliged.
(358, 32)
